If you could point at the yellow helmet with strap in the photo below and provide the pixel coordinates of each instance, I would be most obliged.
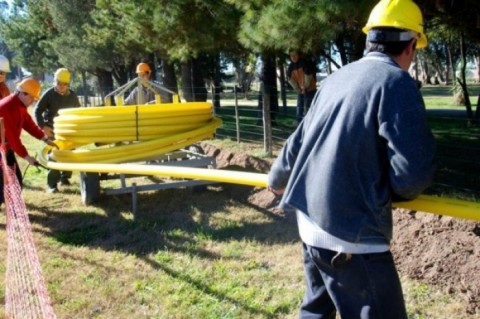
(62, 75)
(400, 14)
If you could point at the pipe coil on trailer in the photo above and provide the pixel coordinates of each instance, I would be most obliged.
(130, 133)
(151, 130)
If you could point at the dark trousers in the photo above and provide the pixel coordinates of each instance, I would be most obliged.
(304, 101)
(357, 286)
(54, 176)
(11, 161)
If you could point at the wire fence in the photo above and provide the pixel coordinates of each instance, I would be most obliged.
(26, 295)
(458, 140)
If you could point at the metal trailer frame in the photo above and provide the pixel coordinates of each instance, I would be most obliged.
(193, 156)
(152, 86)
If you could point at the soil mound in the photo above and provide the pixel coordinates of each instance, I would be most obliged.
(439, 250)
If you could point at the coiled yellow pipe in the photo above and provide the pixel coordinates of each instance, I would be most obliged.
(137, 132)
(152, 130)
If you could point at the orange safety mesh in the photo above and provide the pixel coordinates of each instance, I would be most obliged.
(26, 295)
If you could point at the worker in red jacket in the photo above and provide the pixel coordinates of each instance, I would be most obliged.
(13, 110)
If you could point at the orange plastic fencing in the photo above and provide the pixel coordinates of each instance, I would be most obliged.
(26, 296)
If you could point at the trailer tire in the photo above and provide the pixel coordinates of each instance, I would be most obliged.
(89, 187)
(194, 148)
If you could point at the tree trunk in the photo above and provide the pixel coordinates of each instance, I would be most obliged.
(477, 68)
(193, 86)
(452, 66)
(462, 79)
(120, 74)
(477, 111)
(168, 79)
(425, 72)
(283, 84)
(105, 83)
(217, 83)
(339, 42)
(439, 76)
(86, 91)
(270, 80)
(268, 77)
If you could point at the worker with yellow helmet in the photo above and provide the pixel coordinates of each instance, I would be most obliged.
(141, 94)
(364, 144)
(13, 110)
(58, 97)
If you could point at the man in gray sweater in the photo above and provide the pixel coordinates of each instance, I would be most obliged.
(364, 144)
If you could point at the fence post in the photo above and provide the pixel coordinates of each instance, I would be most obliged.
(267, 123)
(237, 117)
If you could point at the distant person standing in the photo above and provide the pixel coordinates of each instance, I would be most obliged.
(58, 97)
(4, 69)
(301, 74)
(141, 94)
(13, 110)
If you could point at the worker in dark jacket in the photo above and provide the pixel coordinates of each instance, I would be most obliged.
(364, 144)
(54, 99)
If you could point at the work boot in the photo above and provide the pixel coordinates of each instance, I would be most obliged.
(52, 190)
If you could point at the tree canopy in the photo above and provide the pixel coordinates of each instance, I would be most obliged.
(111, 36)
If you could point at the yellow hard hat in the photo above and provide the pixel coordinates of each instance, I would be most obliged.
(62, 75)
(143, 67)
(30, 86)
(400, 14)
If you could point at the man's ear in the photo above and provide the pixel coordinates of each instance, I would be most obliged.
(412, 46)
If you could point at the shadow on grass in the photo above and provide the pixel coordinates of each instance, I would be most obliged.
(175, 220)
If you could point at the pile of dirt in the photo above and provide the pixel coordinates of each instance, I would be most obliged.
(438, 250)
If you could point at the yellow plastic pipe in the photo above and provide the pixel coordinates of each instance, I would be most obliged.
(424, 203)
(137, 132)
(151, 130)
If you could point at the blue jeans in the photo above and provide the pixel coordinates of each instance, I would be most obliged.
(357, 286)
(303, 104)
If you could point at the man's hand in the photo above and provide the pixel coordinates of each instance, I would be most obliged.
(50, 142)
(48, 131)
(276, 191)
(31, 160)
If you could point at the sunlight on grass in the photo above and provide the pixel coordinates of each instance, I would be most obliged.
(424, 302)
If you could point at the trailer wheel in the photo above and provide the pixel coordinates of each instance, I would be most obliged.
(89, 187)
(194, 148)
